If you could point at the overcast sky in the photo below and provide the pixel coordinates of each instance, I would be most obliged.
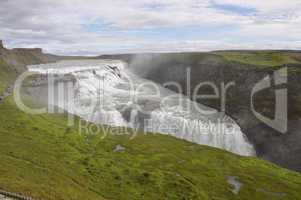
(91, 27)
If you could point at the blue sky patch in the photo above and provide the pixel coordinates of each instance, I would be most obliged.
(234, 8)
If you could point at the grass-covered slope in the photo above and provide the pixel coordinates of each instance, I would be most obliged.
(261, 58)
(41, 157)
(6, 75)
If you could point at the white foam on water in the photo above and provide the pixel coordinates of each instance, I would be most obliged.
(106, 92)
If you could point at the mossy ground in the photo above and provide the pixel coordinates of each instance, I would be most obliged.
(44, 158)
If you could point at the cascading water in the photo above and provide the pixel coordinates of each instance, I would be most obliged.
(106, 92)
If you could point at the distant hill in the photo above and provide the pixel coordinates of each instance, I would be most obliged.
(263, 58)
(14, 61)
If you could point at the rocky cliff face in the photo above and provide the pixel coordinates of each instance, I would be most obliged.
(18, 58)
(31, 50)
(282, 149)
(14, 61)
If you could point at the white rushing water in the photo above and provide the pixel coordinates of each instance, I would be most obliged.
(107, 92)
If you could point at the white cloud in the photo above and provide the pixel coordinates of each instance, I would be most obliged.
(264, 5)
(61, 26)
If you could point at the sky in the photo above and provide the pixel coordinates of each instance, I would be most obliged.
(94, 27)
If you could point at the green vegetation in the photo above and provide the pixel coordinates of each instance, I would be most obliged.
(6, 75)
(259, 58)
(43, 158)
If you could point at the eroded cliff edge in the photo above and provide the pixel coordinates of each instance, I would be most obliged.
(282, 149)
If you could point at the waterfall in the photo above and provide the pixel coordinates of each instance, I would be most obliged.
(133, 119)
(106, 92)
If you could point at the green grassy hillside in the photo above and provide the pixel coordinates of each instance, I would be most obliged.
(260, 58)
(43, 158)
(6, 75)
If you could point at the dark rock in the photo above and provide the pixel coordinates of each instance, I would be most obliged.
(235, 183)
(119, 148)
(282, 149)
(30, 50)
